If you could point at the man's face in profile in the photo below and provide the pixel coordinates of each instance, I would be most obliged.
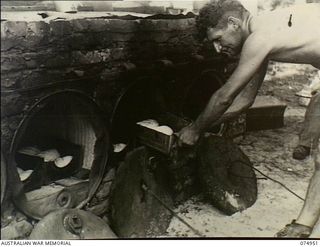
(226, 39)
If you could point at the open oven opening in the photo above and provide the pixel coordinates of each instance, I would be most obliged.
(58, 141)
(154, 98)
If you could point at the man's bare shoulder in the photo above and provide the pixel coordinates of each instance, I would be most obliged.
(257, 42)
(289, 34)
(296, 25)
(298, 16)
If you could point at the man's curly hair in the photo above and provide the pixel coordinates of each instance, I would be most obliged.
(213, 12)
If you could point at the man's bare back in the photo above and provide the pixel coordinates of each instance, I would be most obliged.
(294, 33)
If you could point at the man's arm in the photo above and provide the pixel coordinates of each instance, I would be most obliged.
(246, 97)
(253, 55)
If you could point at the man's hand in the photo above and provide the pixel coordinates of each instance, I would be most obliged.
(188, 136)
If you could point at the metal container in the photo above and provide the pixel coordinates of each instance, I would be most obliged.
(155, 139)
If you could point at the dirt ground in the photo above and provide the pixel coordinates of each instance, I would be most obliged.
(271, 153)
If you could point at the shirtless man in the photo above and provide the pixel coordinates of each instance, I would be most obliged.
(289, 35)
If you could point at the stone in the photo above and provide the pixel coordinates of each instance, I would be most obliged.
(226, 175)
(14, 29)
(12, 62)
(181, 24)
(134, 211)
(38, 28)
(37, 35)
(77, 41)
(98, 25)
(303, 101)
(39, 77)
(3, 177)
(60, 28)
(121, 26)
(7, 82)
(123, 37)
(80, 25)
(83, 58)
(12, 104)
(3, 30)
(103, 39)
(118, 53)
(58, 60)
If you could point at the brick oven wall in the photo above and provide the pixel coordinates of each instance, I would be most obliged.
(90, 54)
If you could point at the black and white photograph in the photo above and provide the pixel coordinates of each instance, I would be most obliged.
(160, 120)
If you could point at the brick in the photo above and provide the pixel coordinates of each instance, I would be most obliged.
(14, 29)
(34, 78)
(123, 37)
(96, 57)
(14, 123)
(80, 25)
(142, 51)
(98, 25)
(38, 28)
(78, 41)
(37, 35)
(104, 39)
(181, 24)
(124, 26)
(118, 54)
(8, 82)
(78, 57)
(165, 25)
(152, 25)
(34, 43)
(83, 58)
(12, 62)
(31, 64)
(3, 30)
(60, 28)
(7, 44)
(15, 43)
(60, 45)
(33, 60)
(58, 61)
(6, 132)
(12, 104)
(105, 54)
(158, 37)
(155, 25)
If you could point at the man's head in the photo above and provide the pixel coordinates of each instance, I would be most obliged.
(220, 21)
